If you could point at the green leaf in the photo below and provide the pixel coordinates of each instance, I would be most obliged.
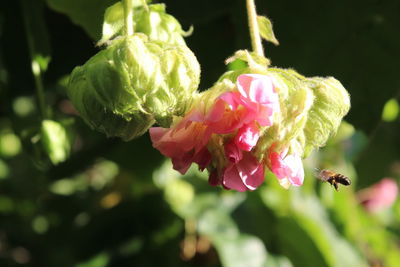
(242, 250)
(55, 141)
(113, 22)
(87, 14)
(303, 217)
(266, 30)
(100, 260)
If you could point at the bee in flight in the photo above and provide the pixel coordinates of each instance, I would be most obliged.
(334, 178)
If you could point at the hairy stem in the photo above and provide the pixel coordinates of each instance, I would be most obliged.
(128, 17)
(256, 43)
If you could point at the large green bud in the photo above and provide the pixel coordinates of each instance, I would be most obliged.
(134, 82)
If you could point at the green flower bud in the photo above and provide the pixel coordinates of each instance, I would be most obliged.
(158, 25)
(125, 88)
(152, 20)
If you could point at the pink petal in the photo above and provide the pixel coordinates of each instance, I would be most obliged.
(247, 136)
(379, 196)
(182, 164)
(232, 180)
(287, 167)
(202, 158)
(257, 88)
(295, 169)
(217, 111)
(213, 179)
(277, 165)
(232, 99)
(233, 153)
(248, 174)
(251, 171)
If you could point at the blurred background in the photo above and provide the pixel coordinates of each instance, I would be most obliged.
(89, 201)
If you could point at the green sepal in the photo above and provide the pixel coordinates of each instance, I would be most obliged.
(331, 104)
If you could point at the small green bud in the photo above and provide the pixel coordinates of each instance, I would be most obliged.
(134, 82)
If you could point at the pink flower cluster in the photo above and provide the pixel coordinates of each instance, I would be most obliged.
(221, 138)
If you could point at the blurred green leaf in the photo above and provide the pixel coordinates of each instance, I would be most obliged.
(390, 110)
(361, 229)
(24, 106)
(304, 218)
(87, 14)
(242, 250)
(100, 260)
(55, 141)
(10, 145)
(4, 170)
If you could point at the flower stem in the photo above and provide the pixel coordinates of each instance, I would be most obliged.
(39, 88)
(128, 17)
(35, 56)
(256, 43)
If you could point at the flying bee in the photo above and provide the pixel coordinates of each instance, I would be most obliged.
(334, 178)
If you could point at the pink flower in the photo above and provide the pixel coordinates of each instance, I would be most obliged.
(379, 196)
(288, 168)
(184, 144)
(232, 125)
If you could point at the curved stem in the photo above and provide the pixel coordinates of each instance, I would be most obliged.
(253, 27)
(128, 17)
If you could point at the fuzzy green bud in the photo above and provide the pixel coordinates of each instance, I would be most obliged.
(125, 88)
(151, 20)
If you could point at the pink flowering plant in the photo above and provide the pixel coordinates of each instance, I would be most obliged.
(252, 121)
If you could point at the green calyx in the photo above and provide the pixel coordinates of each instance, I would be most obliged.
(133, 83)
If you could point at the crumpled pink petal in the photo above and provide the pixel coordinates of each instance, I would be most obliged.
(245, 175)
(379, 196)
(258, 94)
(183, 145)
(233, 152)
(288, 167)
